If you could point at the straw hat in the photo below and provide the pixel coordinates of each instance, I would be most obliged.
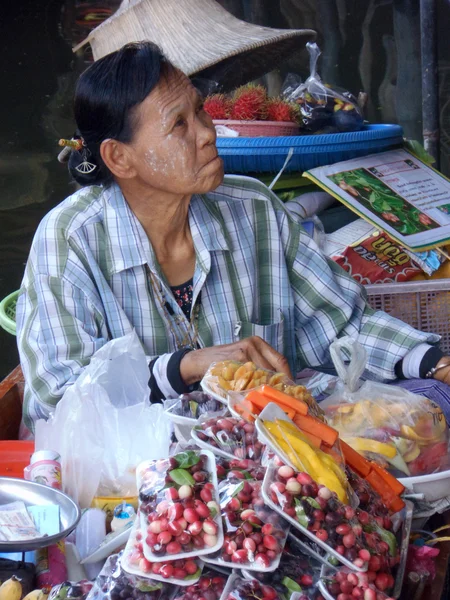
(199, 37)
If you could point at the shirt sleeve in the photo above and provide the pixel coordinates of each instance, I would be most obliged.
(329, 304)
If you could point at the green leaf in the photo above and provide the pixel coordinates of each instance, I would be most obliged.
(291, 585)
(300, 513)
(195, 575)
(419, 151)
(193, 406)
(237, 489)
(313, 502)
(182, 477)
(333, 560)
(187, 459)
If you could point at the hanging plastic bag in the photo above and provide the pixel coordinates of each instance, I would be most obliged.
(322, 108)
(403, 432)
(104, 425)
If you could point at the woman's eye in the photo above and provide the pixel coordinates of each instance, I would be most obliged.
(200, 108)
(180, 122)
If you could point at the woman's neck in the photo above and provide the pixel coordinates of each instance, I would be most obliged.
(164, 218)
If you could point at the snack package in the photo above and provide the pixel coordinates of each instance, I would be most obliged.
(209, 587)
(232, 376)
(322, 108)
(229, 437)
(350, 535)
(405, 433)
(303, 453)
(113, 583)
(178, 506)
(254, 534)
(182, 571)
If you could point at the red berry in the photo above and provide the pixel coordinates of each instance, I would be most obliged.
(167, 571)
(173, 548)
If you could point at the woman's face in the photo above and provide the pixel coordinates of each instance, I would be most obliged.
(174, 145)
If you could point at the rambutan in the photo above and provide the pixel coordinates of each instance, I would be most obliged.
(249, 103)
(280, 110)
(217, 106)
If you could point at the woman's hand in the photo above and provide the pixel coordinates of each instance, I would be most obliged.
(195, 364)
(444, 373)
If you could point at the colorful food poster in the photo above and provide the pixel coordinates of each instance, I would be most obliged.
(396, 192)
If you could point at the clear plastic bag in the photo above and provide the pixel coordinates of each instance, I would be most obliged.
(209, 587)
(403, 432)
(254, 534)
(192, 405)
(234, 438)
(179, 506)
(239, 588)
(69, 590)
(113, 583)
(358, 585)
(104, 425)
(322, 108)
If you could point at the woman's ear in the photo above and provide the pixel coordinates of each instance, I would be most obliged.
(116, 157)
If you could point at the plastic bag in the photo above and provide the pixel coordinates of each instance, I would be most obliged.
(178, 506)
(323, 108)
(254, 534)
(209, 587)
(71, 590)
(232, 376)
(238, 588)
(356, 584)
(113, 583)
(104, 426)
(192, 405)
(234, 438)
(403, 432)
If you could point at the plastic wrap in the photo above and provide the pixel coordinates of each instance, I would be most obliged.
(178, 506)
(239, 588)
(113, 583)
(323, 108)
(71, 590)
(209, 587)
(350, 535)
(403, 432)
(356, 585)
(231, 376)
(191, 406)
(254, 535)
(228, 436)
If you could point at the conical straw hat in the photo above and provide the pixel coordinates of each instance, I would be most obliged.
(200, 38)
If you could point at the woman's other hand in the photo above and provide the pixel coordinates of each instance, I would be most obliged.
(195, 364)
(443, 374)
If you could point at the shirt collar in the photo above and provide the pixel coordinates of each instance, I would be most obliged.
(130, 246)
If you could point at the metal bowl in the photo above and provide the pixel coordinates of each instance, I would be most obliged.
(35, 494)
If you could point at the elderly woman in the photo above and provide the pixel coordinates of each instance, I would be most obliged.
(202, 267)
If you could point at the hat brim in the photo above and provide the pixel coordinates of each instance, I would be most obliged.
(199, 37)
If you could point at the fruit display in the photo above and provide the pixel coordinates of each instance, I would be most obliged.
(234, 437)
(238, 469)
(369, 499)
(230, 375)
(209, 587)
(346, 585)
(238, 588)
(178, 506)
(182, 571)
(254, 535)
(293, 446)
(113, 583)
(408, 437)
(193, 405)
(351, 534)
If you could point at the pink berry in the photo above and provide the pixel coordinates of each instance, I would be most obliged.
(262, 560)
(191, 515)
(210, 527)
(364, 554)
(173, 548)
(164, 537)
(270, 542)
(322, 535)
(190, 567)
(324, 493)
(167, 571)
(195, 528)
(145, 565)
(210, 540)
(206, 495)
(249, 544)
(304, 478)
(286, 472)
(349, 540)
(185, 491)
(171, 493)
(293, 486)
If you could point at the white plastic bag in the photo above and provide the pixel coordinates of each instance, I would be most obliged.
(104, 425)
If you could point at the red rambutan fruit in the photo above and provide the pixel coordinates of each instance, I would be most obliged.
(280, 110)
(249, 103)
(217, 106)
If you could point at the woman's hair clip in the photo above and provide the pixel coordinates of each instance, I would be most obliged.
(79, 145)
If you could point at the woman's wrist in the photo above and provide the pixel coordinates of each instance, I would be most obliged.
(441, 370)
(190, 368)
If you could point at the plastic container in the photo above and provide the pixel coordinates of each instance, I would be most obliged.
(135, 570)
(228, 493)
(210, 467)
(266, 495)
(233, 580)
(251, 129)
(207, 389)
(205, 446)
(188, 421)
(267, 155)
(8, 312)
(14, 457)
(425, 305)
(433, 487)
(90, 533)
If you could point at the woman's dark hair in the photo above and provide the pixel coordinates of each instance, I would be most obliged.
(105, 97)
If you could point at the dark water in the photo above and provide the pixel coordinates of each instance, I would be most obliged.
(38, 72)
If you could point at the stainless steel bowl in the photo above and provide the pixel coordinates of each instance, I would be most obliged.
(35, 494)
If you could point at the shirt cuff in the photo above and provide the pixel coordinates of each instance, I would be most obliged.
(418, 362)
(165, 380)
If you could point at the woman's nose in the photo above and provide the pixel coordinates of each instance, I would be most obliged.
(206, 133)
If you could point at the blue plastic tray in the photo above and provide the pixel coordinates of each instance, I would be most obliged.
(267, 154)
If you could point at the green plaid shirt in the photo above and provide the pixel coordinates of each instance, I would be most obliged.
(259, 273)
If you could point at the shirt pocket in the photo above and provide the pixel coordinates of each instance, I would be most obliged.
(273, 333)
